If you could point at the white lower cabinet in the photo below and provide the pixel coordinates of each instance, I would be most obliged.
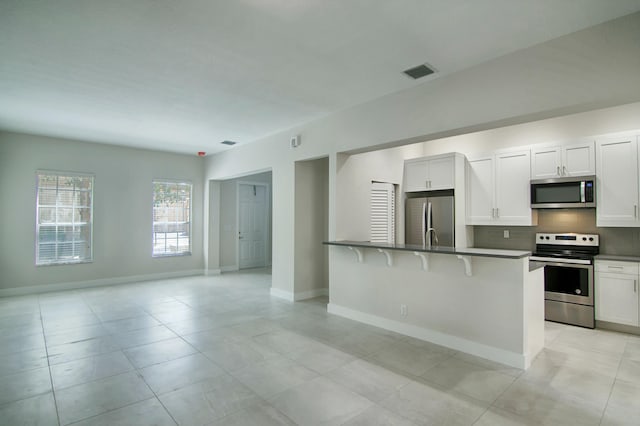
(617, 292)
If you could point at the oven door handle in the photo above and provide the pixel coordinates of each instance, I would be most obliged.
(576, 263)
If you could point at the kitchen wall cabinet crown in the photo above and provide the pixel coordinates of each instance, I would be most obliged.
(617, 293)
(617, 195)
(575, 159)
(498, 189)
(429, 173)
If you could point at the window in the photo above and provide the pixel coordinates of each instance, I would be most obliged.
(64, 218)
(383, 212)
(171, 218)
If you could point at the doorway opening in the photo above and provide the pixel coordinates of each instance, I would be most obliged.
(245, 222)
(253, 224)
(311, 257)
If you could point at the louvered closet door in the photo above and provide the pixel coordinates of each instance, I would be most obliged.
(383, 213)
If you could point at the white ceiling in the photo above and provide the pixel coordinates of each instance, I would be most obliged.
(184, 75)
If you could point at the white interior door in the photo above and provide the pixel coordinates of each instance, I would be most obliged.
(252, 225)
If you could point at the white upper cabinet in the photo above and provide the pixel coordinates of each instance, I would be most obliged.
(579, 159)
(415, 175)
(576, 159)
(546, 162)
(617, 195)
(430, 173)
(440, 173)
(480, 191)
(513, 199)
(498, 189)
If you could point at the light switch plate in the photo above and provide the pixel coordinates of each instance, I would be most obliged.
(505, 233)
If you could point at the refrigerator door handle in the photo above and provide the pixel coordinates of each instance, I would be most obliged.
(428, 237)
(424, 212)
(432, 236)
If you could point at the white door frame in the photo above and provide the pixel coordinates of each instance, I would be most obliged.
(266, 218)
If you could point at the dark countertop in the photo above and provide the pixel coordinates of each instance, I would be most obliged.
(618, 258)
(480, 252)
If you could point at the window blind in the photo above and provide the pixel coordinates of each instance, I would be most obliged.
(64, 224)
(383, 212)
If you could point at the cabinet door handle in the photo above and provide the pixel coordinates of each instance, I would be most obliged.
(635, 286)
(497, 212)
(614, 267)
(564, 170)
(635, 210)
(558, 171)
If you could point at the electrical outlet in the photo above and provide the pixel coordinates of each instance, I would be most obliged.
(505, 233)
(403, 310)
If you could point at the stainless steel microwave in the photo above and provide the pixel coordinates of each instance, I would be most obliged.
(562, 193)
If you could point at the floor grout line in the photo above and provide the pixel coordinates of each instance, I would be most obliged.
(46, 349)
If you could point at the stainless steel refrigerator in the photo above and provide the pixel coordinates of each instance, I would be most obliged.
(429, 219)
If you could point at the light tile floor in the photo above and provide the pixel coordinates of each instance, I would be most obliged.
(219, 350)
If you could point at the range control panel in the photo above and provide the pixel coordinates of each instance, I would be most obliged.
(568, 239)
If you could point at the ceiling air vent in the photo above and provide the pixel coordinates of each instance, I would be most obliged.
(228, 143)
(419, 71)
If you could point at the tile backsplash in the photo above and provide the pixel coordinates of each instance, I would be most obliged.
(618, 241)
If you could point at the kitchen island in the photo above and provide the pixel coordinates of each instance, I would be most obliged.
(483, 302)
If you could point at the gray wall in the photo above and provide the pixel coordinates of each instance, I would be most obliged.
(619, 241)
(311, 227)
(122, 209)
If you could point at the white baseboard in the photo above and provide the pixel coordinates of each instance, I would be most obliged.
(230, 268)
(77, 285)
(317, 292)
(302, 295)
(457, 343)
(286, 295)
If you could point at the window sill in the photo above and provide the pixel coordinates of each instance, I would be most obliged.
(188, 253)
(71, 262)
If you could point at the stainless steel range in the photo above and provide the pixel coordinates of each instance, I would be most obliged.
(568, 276)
